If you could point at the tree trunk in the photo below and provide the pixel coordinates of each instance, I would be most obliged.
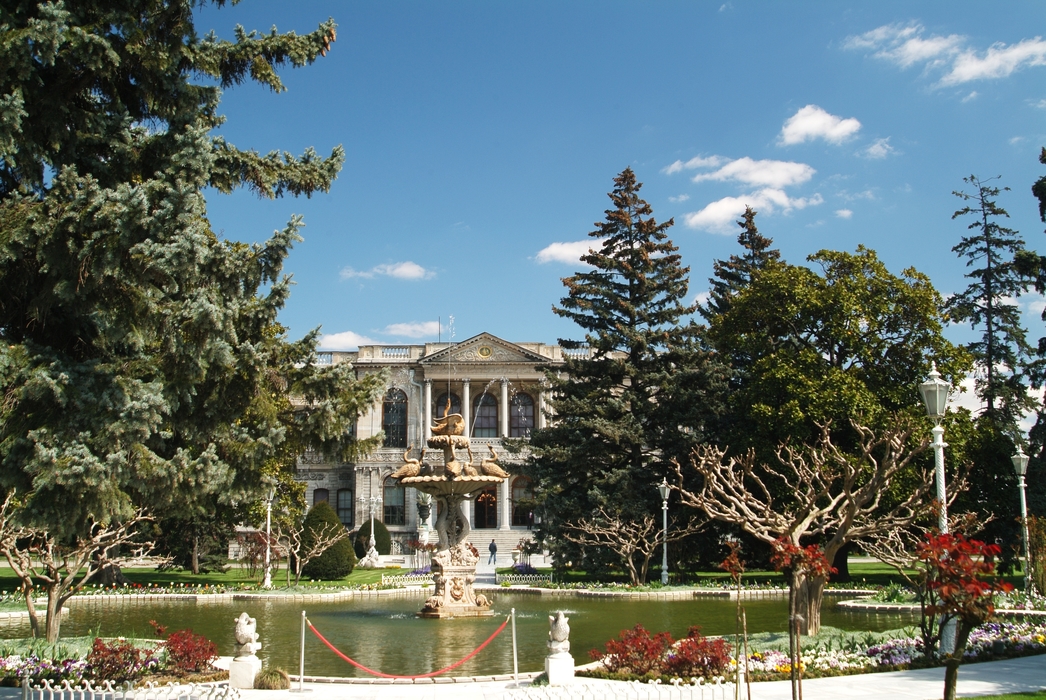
(793, 631)
(841, 564)
(810, 593)
(54, 614)
(951, 665)
(195, 563)
(110, 575)
(34, 620)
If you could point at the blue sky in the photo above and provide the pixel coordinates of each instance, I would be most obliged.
(482, 138)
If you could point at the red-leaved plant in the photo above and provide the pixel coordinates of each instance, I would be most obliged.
(955, 566)
(698, 656)
(118, 661)
(635, 651)
(186, 652)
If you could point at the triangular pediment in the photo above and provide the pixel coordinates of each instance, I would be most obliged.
(484, 348)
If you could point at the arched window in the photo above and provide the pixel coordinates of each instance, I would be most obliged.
(394, 501)
(521, 415)
(345, 507)
(522, 502)
(394, 418)
(485, 422)
(487, 509)
(320, 496)
(440, 405)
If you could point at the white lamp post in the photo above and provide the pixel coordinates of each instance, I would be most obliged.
(372, 551)
(267, 581)
(934, 392)
(664, 489)
(1020, 465)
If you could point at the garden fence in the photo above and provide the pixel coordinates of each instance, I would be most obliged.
(522, 578)
(107, 691)
(635, 690)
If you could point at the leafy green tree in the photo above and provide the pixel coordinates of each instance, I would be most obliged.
(140, 361)
(1003, 347)
(852, 342)
(638, 390)
(382, 539)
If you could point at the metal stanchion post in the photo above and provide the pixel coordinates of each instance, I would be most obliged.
(301, 662)
(515, 659)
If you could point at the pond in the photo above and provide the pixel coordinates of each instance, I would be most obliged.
(384, 634)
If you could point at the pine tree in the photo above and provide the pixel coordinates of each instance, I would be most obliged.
(1003, 347)
(636, 392)
(140, 358)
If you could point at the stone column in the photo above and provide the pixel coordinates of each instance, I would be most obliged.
(466, 405)
(427, 430)
(504, 493)
(503, 431)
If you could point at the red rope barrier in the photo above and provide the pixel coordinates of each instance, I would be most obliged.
(426, 675)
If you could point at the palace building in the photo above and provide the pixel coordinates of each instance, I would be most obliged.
(495, 385)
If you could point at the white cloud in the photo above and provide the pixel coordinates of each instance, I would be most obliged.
(1041, 104)
(905, 46)
(998, 61)
(679, 198)
(346, 340)
(405, 270)
(694, 163)
(971, 96)
(566, 252)
(719, 216)
(761, 173)
(844, 213)
(702, 298)
(1016, 140)
(811, 122)
(879, 149)
(413, 329)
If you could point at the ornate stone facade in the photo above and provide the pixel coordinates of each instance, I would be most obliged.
(495, 385)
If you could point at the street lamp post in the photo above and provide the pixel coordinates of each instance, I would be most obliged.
(372, 551)
(664, 489)
(1020, 465)
(267, 581)
(934, 392)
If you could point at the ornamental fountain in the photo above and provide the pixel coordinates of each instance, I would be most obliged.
(452, 484)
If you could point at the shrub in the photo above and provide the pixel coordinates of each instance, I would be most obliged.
(118, 661)
(338, 560)
(382, 539)
(186, 652)
(634, 650)
(272, 679)
(698, 656)
(523, 568)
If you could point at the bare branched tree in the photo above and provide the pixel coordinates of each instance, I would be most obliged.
(818, 491)
(636, 541)
(302, 549)
(60, 569)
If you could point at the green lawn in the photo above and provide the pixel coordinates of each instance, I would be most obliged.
(1014, 696)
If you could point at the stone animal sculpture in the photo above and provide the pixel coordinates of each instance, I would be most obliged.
(489, 467)
(558, 633)
(246, 635)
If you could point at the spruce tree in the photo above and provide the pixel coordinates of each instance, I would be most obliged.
(140, 358)
(735, 273)
(636, 391)
(1003, 348)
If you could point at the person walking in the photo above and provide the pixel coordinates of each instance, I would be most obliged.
(493, 558)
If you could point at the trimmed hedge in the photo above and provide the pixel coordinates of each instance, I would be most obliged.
(382, 539)
(339, 560)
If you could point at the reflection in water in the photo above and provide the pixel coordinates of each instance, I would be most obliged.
(384, 634)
